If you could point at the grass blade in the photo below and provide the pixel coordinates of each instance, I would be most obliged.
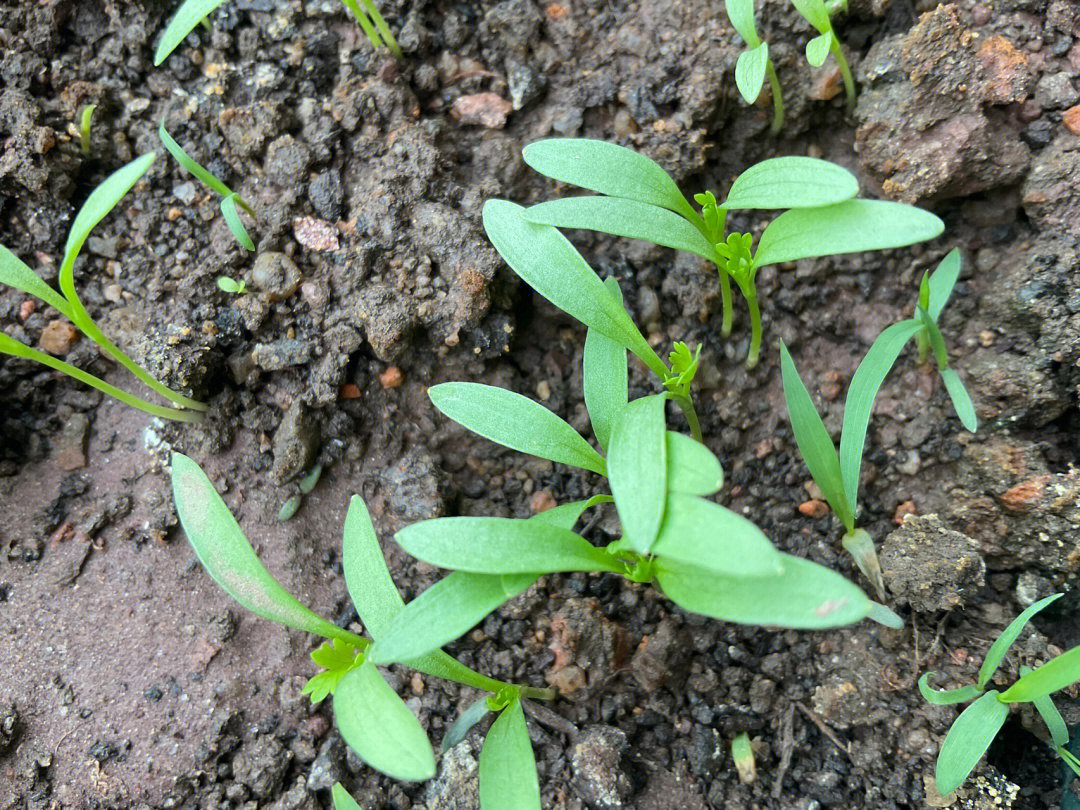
(15, 273)
(750, 71)
(691, 468)
(1000, 648)
(791, 182)
(962, 403)
(232, 219)
(741, 15)
(1055, 723)
(515, 421)
(342, 799)
(507, 767)
(946, 697)
(967, 740)
(637, 470)
(1055, 674)
(942, 281)
(604, 377)
(190, 14)
(192, 167)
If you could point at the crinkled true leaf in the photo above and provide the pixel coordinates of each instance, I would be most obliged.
(847, 227)
(337, 657)
(817, 449)
(967, 740)
(741, 15)
(962, 403)
(15, 273)
(709, 536)
(342, 799)
(229, 558)
(491, 545)
(861, 394)
(946, 697)
(691, 468)
(637, 470)
(791, 182)
(515, 421)
(552, 266)
(1055, 674)
(817, 49)
(942, 281)
(622, 217)
(815, 13)
(507, 768)
(807, 596)
(190, 14)
(1000, 648)
(750, 71)
(232, 219)
(378, 726)
(1055, 723)
(609, 169)
(464, 723)
(604, 377)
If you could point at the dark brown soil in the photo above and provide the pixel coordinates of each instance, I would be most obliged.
(127, 679)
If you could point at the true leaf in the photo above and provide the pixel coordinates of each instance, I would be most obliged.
(378, 726)
(1055, 674)
(965, 410)
(604, 377)
(815, 13)
(1000, 648)
(750, 71)
(190, 14)
(15, 273)
(609, 169)
(946, 697)
(232, 219)
(507, 768)
(1055, 723)
(229, 558)
(967, 740)
(817, 49)
(817, 449)
(637, 470)
(464, 723)
(691, 468)
(791, 182)
(807, 596)
(704, 534)
(741, 15)
(847, 227)
(515, 421)
(942, 281)
(342, 799)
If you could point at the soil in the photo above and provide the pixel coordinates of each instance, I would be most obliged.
(128, 679)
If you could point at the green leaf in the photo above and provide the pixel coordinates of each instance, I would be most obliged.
(791, 182)
(604, 377)
(507, 767)
(807, 596)
(967, 740)
(374, 25)
(463, 725)
(942, 281)
(637, 470)
(862, 392)
(965, 410)
(817, 49)
(232, 219)
(847, 227)
(490, 545)
(1055, 723)
(750, 71)
(609, 169)
(190, 14)
(337, 657)
(15, 273)
(342, 799)
(1000, 648)
(622, 217)
(192, 167)
(815, 13)
(933, 334)
(229, 558)
(549, 264)
(1055, 674)
(378, 726)
(817, 449)
(946, 697)
(516, 422)
(741, 15)
(691, 468)
(322, 684)
(706, 535)
(566, 515)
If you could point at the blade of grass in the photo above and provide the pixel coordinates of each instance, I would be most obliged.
(232, 219)
(946, 697)
(1000, 648)
(190, 14)
(1055, 674)
(15, 273)
(942, 281)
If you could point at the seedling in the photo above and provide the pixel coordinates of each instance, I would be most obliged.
(370, 716)
(754, 64)
(743, 756)
(15, 273)
(229, 198)
(84, 128)
(826, 42)
(231, 286)
(194, 12)
(838, 475)
(636, 198)
(973, 731)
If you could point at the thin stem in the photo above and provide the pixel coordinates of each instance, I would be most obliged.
(922, 343)
(845, 71)
(687, 407)
(750, 294)
(777, 99)
(725, 299)
(536, 693)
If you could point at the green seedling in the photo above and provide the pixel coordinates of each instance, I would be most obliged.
(636, 198)
(294, 501)
(826, 42)
(837, 475)
(370, 716)
(973, 731)
(194, 12)
(743, 756)
(15, 273)
(229, 198)
(754, 64)
(231, 286)
(84, 128)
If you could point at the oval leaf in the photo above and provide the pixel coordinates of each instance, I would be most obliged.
(379, 727)
(507, 767)
(691, 468)
(1055, 674)
(967, 740)
(817, 49)
(741, 15)
(604, 377)
(190, 14)
(965, 409)
(516, 422)
(791, 182)
(637, 470)
(1000, 648)
(750, 72)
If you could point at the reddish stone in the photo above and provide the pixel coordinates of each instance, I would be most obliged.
(814, 508)
(1026, 495)
(541, 501)
(392, 377)
(485, 109)
(1071, 119)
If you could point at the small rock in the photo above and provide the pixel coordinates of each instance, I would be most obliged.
(391, 377)
(287, 161)
(26, 309)
(315, 234)
(657, 657)
(9, 726)
(1056, 91)
(329, 765)
(485, 109)
(814, 508)
(931, 567)
(1071, 119)
(58, 337)
(414, 487)
(454, 786)
(185, 193)
(326, 194)
(826, 83)
(595, 760)
(524, 83)
(283, 353)
(103, 246)
(275, 275)
(902, 511)
(1025, 496)
(541, 501)
(296, 442)
(261, 765)
(71, 452)
(568, 681)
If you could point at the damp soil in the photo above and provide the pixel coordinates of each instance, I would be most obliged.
(127, 679)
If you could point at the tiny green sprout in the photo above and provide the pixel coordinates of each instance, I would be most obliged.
(84, 128)
(743, 756)
(229, 198)
(975, 728)
(231, 286)
(754, 64)
(290, 507)
(818, 49)
(15, 273)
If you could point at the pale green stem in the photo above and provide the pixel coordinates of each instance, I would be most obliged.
(687, 408)
(749, 292)
(777, 99)
(845, 71)
(725, 300)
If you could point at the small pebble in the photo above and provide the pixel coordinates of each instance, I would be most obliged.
(58, 337)
(391, 378)
(541, 501)
(484, 109)
(814, 508)
(315, 234)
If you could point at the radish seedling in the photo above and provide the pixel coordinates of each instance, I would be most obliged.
(15, 273)
(754, 64)
(231, 286)
(837, 475)
(826, 42)
(636, 198)
(973, 731)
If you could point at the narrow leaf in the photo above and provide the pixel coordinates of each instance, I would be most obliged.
(190, 14)
(691, 468)
(965, 410)
(232, 219)
(609, 169)
(190, 165)
(604, 377)
(791, 182)
(946, 697)
(750, 71)
(848, 227)
(516, 422)
(378, 726)
(15, 273)
(1055, 674)
(942, 281)
(1000, 648)
(1055, 723)
(463, 725)
(967, 740)
(637, 470)
(342, 799)
(507, 768)
(933, 334)
(741, 15)
(807, 596)
(817, 49)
